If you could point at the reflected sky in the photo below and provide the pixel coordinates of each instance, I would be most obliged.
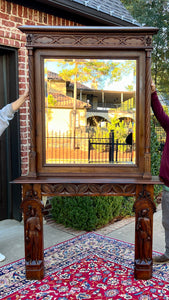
(119, 76)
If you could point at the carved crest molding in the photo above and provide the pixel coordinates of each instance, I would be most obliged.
(89, 37)
(89, 40)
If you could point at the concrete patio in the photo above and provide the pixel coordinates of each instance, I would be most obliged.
(12, 235)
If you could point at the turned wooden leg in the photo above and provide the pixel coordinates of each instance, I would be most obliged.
(144, 208)
(33, 231)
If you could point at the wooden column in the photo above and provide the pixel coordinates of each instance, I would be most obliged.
(33, 231)
(144, 208)
(32, 154)
(147, 154)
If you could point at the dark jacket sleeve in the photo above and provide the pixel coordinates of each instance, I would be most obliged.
(159, 112)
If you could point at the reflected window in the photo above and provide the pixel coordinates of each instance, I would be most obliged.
(90, 111)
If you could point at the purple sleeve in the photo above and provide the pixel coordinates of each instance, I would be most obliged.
(159, 112)
(6, 114)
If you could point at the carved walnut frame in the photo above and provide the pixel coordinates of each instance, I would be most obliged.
(132, 42)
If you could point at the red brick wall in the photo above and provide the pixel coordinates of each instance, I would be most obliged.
(11, 17)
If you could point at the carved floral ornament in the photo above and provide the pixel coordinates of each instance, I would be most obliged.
(144, 200)
(90, 40)
(88, 189)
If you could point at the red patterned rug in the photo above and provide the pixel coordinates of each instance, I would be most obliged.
(89, 266)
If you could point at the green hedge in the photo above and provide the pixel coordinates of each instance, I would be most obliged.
(89, 213)
(155, 156)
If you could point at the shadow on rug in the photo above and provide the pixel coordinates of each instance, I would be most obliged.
(89, 266)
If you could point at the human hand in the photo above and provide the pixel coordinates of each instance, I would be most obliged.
(16, 104)
(26, 94)
(153, 87)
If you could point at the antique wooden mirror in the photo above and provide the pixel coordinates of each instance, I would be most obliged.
(90, 121)
(90, 90)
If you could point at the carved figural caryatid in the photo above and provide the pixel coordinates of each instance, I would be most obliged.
(33, 224)
(144, 233)
(33, 229)
(144, 208)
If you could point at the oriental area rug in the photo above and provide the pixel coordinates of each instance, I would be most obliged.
(90, 266)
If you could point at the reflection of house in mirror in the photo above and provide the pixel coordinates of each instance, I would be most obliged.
(108, 104)
(63, 108)
(91, 106)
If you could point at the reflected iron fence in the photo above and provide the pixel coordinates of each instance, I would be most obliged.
(161, 137)
(87, 148)
(161, 134)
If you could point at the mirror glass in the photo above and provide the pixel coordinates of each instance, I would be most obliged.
(90, 111)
